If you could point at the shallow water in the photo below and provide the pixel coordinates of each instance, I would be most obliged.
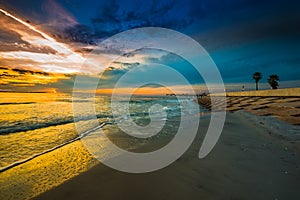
(32, 123)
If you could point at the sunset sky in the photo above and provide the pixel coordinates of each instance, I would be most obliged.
(44, 43)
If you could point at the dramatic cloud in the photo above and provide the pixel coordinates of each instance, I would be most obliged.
(36, 49)
(18, 77)
(116, 16)
(57, 16)
(43, 40)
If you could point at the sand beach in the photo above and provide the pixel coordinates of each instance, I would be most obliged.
(248, 162)
(256, 157)
(167, 100)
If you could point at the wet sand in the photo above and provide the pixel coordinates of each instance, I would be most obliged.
(250, 161)
(45, 172)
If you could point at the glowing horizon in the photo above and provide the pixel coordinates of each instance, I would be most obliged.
(35, 57)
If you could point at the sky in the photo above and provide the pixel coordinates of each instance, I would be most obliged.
(46, 44)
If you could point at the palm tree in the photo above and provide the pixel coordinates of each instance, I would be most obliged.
(272, 80)
(257, 76)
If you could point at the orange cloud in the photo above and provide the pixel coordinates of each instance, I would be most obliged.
(37, 48)
(139, 91)
(17, 77)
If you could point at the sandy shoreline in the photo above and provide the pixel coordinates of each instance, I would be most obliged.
(53, 168)
(257, 157)
(248, 162)
(45, 172)
(285, 92)
(282, 103)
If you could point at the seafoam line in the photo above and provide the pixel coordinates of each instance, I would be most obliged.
(54, 148)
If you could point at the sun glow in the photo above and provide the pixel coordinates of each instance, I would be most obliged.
(51, 42)
(39, 59)
(56, 57)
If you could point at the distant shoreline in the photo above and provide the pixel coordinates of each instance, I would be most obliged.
(282, 103)
(286, 92)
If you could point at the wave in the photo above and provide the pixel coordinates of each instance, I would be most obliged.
(29, 126)
(16, 103)
(21, 127)
(33, 102)
(54, 148)
(25, 127)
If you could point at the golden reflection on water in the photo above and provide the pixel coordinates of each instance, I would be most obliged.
(45, 172)
(31, 123)
(38, 111)
(7, 97)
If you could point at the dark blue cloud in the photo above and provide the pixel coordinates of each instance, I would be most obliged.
(101, 19)
(243, 20)
(116, 16)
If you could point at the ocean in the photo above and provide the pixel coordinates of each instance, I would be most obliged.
(35, 123)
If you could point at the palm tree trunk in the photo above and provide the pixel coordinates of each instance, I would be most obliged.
(256, 83)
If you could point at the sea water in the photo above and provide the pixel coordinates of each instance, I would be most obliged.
(32, 123)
